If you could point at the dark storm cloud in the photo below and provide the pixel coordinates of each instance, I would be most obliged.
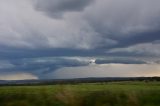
(139, 38)
(31, 30)
(126, 22)
(120, 61)
(41, 66)
(18, 53)
(56, 8)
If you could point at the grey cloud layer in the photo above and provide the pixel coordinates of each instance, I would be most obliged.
(56, 8)
(23, 26)
(126, 21)
(103, 24)
(88, 28)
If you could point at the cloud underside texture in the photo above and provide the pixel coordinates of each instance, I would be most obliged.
(70, 33)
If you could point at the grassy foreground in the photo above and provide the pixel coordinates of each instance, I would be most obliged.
(97, 94)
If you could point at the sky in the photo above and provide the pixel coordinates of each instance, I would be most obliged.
(58, 39)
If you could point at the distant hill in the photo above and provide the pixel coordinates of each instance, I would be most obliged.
(76, 80)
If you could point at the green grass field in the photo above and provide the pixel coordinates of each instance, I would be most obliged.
(96, 94)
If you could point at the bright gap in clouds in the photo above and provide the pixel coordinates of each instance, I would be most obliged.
(107, 70)
(18, 76)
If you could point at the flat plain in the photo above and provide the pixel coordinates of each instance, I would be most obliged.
(83, 94)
